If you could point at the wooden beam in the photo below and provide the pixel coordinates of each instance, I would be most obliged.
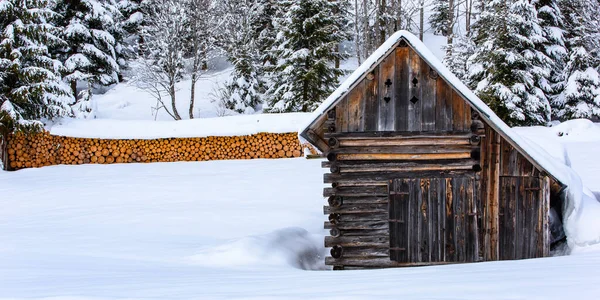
(387, 156)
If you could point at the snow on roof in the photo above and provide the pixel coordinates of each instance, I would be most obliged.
(536, 154)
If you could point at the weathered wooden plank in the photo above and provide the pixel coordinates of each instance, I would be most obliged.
(356, 107)
(424, 220)
(364, 252)
(412, 141)
(376, 178)
(402, 92)
(352, 200)
(544, 226)
(458, 112)
(520, 224)
(363, 191)
(398, 135)
(414, 91)
(434, 224)
(443, 110)
(413, 244)
(358, 241)
(356, 209)
(372, 101)
(450, 251)
(366, 225)
(394, 218)
(459, 197)
(405, 149)
(341, 115)
(492, 194)
(428, 95)
(378, 166)
(373, 262)
(472, 251)
(392, 156)
(387, 91)
(345, 218)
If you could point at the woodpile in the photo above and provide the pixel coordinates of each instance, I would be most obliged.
(42, 149)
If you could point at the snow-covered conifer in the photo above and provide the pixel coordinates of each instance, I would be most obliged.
(439, 18)
(90, 54)
(244, 28)
(580, 97)
(304, 76)
(457, 55)
(30, 83)
(507, 69)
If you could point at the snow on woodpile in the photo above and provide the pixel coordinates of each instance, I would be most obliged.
(137, 129)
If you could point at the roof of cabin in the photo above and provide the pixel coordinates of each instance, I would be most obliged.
(538, 156)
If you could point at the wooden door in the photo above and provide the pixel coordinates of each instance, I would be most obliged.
(523, 214)
(433, 220)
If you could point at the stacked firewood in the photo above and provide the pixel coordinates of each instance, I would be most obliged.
(42, 149)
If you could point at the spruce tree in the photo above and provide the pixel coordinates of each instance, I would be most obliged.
(90, 55)
(304, 76)
(551, 22)
(457, 55)
(30, 83)
(507, 69)
(580, 97)
(439, 18)
(243, 91)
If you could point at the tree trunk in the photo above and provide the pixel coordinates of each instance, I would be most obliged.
(366, 33)
(173, 102)
(399, 16)
(450, 23)
(382, 33)
(74, 89)
(422, 19)
(357, 37)
(468, 10)
(192, 94)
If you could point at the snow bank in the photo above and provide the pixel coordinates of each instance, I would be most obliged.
(138, 129)
(285, 247)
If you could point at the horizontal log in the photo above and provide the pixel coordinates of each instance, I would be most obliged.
(400, 156)
(356, 191)
(369, 166)
(363, 252)
(398, 135)
(375, 178)
(358, 241)
(404, 150)
(424, 142)
(367, 225)
(342, 218)
(377, 262)
(350, 200)
(356, 209)
(359, 232)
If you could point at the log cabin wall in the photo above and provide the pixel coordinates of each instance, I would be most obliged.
(417, 178)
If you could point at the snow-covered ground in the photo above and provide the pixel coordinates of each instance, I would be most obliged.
(221, 230)
(238, 229)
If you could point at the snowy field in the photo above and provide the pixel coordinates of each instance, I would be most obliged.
(221, 230)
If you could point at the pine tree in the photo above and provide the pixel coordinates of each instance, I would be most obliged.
(580, 97)
(243, 29)
(457, 55)
(439, 18)
(304, 75)
(30, 83)
(90, 55)
(507, 69)
(551, 22)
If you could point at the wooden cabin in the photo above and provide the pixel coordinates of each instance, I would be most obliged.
(421, 172)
